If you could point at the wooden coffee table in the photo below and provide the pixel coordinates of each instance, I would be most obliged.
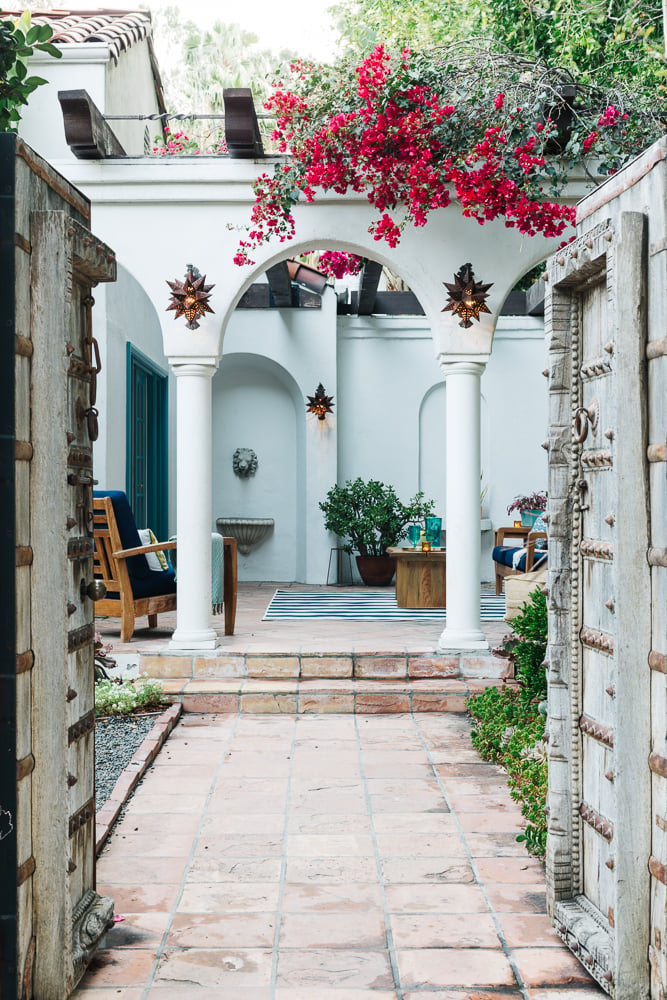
(420, 577)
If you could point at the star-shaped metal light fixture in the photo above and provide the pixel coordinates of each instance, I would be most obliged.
(190, 297)
(466, 296)
(320, 403)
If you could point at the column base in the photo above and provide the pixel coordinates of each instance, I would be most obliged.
(205, 638)
(454, 640)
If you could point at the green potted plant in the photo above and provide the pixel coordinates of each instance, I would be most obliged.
(371, 517)
(529, 507)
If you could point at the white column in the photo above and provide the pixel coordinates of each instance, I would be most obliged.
(193, 506)
(463, 629)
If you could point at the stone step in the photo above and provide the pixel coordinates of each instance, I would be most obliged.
(389, 666)
(261, 696)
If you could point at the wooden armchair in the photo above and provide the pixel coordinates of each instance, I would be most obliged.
(133, 588)
(503, 554)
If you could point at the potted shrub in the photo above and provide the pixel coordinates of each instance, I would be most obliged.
(371, 517)
(529, 507)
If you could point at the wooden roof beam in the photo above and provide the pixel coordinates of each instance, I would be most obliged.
(368, 286)
(241, 125)
(280, 285)
(87, 133)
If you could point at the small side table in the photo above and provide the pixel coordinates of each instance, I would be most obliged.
(340, 565)
(420, 577)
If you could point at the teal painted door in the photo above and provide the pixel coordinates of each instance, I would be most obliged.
(147, 442)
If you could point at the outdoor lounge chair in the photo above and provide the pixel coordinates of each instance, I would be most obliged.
(526, 555)
(133, 588)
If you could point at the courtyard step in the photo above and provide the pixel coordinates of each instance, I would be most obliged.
(260, 696)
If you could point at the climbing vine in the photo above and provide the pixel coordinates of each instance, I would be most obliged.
(19, 39)
(416, 131)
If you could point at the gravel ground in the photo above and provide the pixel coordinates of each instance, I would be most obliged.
(117, 738)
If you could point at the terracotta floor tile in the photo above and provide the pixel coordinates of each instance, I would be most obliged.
(593, 992)
(140, 898)
(335, 994)
(414, 823)
(119, 967)
(166, 804)
(496, 803)
(328, 823)
(316, 870)
(347, 897)
(229, 897)
(137, 930)
(521, 898)
(333, 930)
(472, 930)
(130, 870)
(107, 994)
(158, 825)
(549, 967)
(243, 845)
(433, 869)
(453, 967)
(234, 824)
(121, 845)
(494, 845)
(463, 994)
(515, 870)
(189, 992)
(404, 845)
(528, 930)
(332, 967)
(214, 869)
(212, 968)
(223, 930)
(493, 822)
(428, 898)
(418, 803)
(329, 845)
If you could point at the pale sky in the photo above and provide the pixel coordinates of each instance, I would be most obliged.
(305, 28)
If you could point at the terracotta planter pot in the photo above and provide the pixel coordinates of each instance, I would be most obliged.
(376, 571)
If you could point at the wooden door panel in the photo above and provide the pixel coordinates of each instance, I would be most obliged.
(598, 680)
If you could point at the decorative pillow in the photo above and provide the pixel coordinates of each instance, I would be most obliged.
(157, 561)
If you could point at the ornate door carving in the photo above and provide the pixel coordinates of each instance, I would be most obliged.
(599, 606)
(69, 916)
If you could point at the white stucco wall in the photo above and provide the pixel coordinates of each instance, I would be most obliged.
(123, 88)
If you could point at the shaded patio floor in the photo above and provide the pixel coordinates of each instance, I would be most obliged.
(253, 635)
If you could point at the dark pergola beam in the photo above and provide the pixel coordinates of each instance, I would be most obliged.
(280, 285)
(241, 125)
(87, 134)
(368, 287)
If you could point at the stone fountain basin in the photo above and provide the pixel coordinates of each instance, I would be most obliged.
(248, 531)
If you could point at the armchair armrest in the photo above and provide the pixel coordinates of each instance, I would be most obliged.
(142, 549)
(530, 548)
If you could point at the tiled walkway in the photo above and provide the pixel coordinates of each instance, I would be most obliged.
(326, 857)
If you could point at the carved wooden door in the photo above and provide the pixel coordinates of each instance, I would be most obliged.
(70, 917)
(599, 796)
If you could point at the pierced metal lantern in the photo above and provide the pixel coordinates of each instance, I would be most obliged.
(320, 403)
(190, 297)
(467, 296)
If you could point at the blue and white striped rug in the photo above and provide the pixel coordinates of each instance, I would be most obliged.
(364, 606)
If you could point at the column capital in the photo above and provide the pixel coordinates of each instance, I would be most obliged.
(198, 368)
(473, 365)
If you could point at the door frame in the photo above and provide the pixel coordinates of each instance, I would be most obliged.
(157, 458)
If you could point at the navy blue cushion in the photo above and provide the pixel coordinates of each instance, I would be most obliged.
(146, 582)
(504, 554)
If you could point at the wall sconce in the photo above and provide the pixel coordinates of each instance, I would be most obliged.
(320, 403)
(190, 297)
(466, 296)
